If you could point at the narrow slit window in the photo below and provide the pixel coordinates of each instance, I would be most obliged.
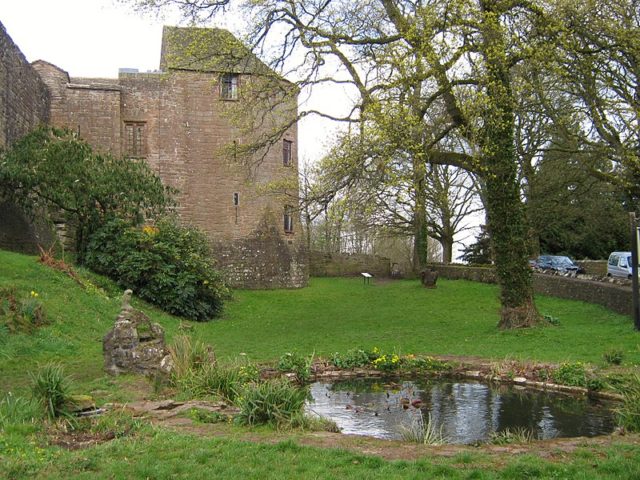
(236, 199)
(229, 86)
(288, 219)
(287, 153)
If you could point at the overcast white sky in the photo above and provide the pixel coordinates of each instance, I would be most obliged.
(94, 38)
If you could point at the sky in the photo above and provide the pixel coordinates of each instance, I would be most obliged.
(94, 38)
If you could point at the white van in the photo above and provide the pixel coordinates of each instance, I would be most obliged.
(619, 265)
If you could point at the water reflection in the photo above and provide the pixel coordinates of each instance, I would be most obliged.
(468, 412)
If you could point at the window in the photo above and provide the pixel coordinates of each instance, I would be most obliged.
(288, 219)
(134, 139)
(236, 199)
(287, 149)
(229, 86)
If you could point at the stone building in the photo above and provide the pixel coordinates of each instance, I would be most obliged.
(213, 122)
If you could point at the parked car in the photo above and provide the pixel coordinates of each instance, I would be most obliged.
(619, 265)
(556, 263)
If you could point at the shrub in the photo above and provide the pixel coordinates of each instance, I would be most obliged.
(52, 170)
(296, 363)
(572, 374)
(274, 401)
(354, 358)
(50, 387)
(167, 265)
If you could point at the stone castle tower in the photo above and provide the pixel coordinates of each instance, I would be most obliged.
(213, 122)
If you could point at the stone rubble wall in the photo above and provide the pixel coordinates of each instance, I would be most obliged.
(610, 295)
(323, 264)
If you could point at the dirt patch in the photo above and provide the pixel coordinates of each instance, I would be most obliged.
(74, 440)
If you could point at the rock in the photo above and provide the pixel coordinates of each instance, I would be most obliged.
(79, 403)
(429, 278)
(135, 344)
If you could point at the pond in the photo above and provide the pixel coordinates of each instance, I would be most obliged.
(464, 411)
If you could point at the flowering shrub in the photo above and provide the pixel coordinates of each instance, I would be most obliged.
(167, 265)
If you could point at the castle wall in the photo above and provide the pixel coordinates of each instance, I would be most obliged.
(188, 141)
(178, 123)
(24, 100)
(24, 104)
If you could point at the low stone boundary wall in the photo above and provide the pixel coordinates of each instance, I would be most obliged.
(613, 297)
(593, 267)
(347, 264)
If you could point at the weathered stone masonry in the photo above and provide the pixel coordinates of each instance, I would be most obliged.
(24, 104)
(177, 119)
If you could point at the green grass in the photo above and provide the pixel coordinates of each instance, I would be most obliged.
(331, 315)
(458, 318)
(161, 454)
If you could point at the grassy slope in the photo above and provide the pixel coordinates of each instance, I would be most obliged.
(331, 315)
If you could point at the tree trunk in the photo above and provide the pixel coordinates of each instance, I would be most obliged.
(447, 249)
(505, 212)
(420, 230)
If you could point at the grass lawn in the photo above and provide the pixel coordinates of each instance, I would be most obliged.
(332, 315)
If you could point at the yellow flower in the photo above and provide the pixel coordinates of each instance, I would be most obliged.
(34, 294)
(150, 230)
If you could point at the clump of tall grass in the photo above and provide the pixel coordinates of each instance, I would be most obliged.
(629, 412)
(511, 435)
(424, 432)
(189, 355)
(274, 401)
(16, 410)
(50, 388)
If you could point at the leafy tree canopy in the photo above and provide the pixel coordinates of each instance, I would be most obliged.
(52, 171)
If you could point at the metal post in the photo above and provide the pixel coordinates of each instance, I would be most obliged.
(634, 269)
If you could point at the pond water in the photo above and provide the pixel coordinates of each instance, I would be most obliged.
(465, 411)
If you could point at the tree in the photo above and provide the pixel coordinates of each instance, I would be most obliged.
(572, 212)
(52, 171)
(478, 253)
(462, 58)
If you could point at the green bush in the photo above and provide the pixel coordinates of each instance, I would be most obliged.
(572, 374)
(295, 363)
(354, 358)
(50, 388)
(274, 401)
(167, 265)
